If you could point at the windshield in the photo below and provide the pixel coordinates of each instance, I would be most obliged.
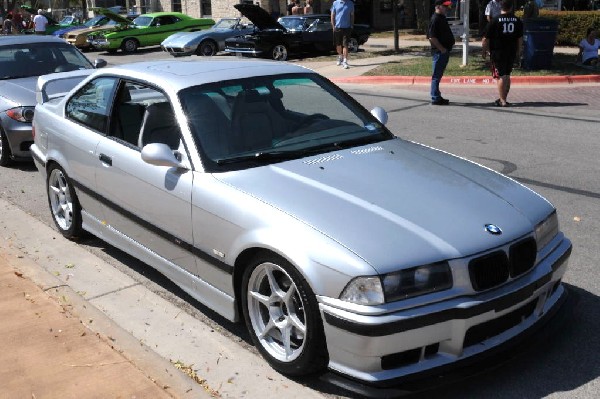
(35, 59)
(295, 23)
(249, 122)
(94, 21)
(142, 21)
(225, 24)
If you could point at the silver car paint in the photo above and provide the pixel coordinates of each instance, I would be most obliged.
(230, 213)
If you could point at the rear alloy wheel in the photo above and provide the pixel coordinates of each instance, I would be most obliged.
(283, 318)
(207, 48)
(5, 154)
(353, 45)
(64, 205)
(130, 46)
(279, 53)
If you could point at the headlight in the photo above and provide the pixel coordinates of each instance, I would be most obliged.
(364, 291)
(417, 281)
(398, 285)
(546, 230)
(21, 114)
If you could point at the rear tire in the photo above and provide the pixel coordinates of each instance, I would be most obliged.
(282, 316)
(5, 153)
(63, 202)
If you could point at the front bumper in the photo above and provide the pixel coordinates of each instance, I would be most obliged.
(177, 51)
(381, 350)
(244, 51)
(19, 138)
(100, 44)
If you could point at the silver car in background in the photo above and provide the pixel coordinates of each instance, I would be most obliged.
(340, 245)
(206, 42)
(23, 58)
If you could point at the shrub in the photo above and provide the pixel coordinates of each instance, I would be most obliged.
(572, 25)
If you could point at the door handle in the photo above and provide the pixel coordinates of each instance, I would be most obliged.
(105, 159)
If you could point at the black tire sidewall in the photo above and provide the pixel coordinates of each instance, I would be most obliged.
(314, 356)
(207, 43)
(5, 156)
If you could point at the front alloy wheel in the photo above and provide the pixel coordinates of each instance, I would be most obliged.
(282, 315)
(279, 53)
(207, 48)
(63, 202)
(130, 46)
(353, 45)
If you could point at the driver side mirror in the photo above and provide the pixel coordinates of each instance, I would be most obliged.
(160, 154)
(100, 63)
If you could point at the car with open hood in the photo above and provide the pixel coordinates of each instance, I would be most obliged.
(273, 197)
(53, 24)
(23, 58)
(79, 37)
(98, 20)
(148, 30)
(293, 34)
(206, 42)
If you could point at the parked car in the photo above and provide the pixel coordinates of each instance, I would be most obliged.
(98, 20)
(148, 30)
(22, 59)
(276, 39)
(206, 42)
(271, 195)
(79, 37)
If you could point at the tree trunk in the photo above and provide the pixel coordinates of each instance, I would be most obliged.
(423, 12)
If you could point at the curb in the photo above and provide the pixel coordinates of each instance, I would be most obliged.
(470, 80)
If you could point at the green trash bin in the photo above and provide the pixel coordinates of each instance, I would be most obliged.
(539, 36)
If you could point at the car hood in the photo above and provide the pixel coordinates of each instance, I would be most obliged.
(397, 204)
(259, 17)
(113, 16)
(22, 91)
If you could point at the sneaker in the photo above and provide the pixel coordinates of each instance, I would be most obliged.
(345, 65)
(339, 61)
(441, 101)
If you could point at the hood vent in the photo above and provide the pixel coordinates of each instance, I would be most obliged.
(326, 158)
(367, 150)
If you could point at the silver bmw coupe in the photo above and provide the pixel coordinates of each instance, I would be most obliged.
(273, 197)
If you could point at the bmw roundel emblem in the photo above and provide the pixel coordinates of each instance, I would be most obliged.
(493, 229)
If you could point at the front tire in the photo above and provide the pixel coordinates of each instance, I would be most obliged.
(282, 315)
(5, 153)
(207, 48)
(279, 53)
(130, 46)
(63, 202)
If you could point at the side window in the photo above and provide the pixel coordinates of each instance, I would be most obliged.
(90, 106)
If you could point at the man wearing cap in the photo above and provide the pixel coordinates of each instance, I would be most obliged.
(442, 40)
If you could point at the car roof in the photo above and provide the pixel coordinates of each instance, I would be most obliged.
(178, 75)
(26, 39)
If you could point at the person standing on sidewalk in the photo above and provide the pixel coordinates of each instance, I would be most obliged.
(342, 20)
(492, 10)
(40, 22)
(442, 40)
(503, 40)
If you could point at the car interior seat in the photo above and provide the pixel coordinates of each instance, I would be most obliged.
(210, 125)
(160, 126)
(128, 117)
(255, 122)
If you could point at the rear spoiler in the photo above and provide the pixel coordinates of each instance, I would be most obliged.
(65, 81)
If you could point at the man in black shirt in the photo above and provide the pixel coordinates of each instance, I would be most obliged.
(503, 39)
(442, 40)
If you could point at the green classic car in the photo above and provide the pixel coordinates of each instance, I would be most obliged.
(147, 30)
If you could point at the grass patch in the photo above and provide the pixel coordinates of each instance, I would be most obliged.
(420, 65)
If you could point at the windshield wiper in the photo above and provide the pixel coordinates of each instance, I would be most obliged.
(359, 141)
(265, 157)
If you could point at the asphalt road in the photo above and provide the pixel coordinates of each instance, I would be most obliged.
(551, 148)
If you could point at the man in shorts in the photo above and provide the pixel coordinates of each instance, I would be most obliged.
(503, 40)
(342, 20)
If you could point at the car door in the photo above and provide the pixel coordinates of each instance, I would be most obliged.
(319, 35)
(87, 113)
(148, 204)
(160, 28)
